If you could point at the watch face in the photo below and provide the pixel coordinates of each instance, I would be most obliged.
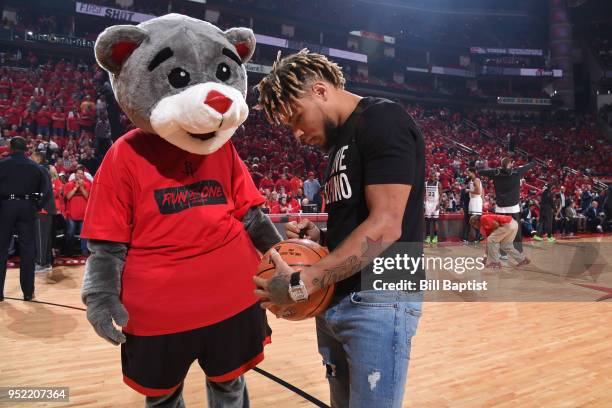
(298, 293)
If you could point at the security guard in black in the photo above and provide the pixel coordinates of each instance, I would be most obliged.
(24, 189)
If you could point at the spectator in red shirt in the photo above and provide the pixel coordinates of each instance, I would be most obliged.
(72, 121)
(293, 205)
(445, 179)
(267, 182)
(58, 190)
(88, 111)
(43, 120)
(59, 122)
(264, 165)
(295, 183)
(273, 203)
(27, 120)
(61, 166)
(12, 132)
(77, 194)
(256, 175)
(500, 231)
(13, 115)
(283, 182)
(87, 119)
(283, 207)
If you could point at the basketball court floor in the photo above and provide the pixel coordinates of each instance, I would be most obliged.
(465, 354)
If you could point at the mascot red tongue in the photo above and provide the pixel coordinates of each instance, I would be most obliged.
(173, 220)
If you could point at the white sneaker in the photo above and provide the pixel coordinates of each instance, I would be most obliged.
(42, 268)
(503, 257)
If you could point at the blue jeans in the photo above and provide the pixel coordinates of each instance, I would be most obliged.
(365, 342)
(527, 227)
(43, 130)
(73, 228)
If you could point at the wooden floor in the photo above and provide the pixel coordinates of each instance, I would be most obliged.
(468, 354)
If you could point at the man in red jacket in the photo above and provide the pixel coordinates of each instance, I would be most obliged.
(500, 231)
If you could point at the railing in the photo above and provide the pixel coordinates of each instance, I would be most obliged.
(498, 139)
(282, 218)
(597, 185)
(460, 146)
(480, 130)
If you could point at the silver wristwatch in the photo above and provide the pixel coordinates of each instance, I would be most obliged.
(297, 289)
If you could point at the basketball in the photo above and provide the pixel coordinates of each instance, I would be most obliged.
(298, 253)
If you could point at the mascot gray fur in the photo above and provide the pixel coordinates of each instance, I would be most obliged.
(170, 208)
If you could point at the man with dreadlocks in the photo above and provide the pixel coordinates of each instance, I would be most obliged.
(374, 197)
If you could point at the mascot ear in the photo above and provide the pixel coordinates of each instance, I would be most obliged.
(244, 41)
(115, 44)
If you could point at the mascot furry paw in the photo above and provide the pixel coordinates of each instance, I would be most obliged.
(173, 218)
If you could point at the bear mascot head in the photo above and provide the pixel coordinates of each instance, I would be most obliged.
(179, 77)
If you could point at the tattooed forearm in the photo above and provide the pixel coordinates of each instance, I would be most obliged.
(337, 273)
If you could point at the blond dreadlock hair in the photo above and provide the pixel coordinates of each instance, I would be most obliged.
(286, 82)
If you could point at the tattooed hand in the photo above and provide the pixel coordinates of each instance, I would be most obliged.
(276, 289)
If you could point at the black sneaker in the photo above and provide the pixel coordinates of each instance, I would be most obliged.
(28, 298)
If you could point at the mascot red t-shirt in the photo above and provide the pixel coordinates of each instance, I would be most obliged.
(151, 195)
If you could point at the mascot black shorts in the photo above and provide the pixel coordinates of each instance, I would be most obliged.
(157, 365)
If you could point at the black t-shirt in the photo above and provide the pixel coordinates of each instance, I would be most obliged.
(507, 184)
(91, 164)
(378, 144)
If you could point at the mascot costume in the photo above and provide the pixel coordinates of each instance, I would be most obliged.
(173, 219)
